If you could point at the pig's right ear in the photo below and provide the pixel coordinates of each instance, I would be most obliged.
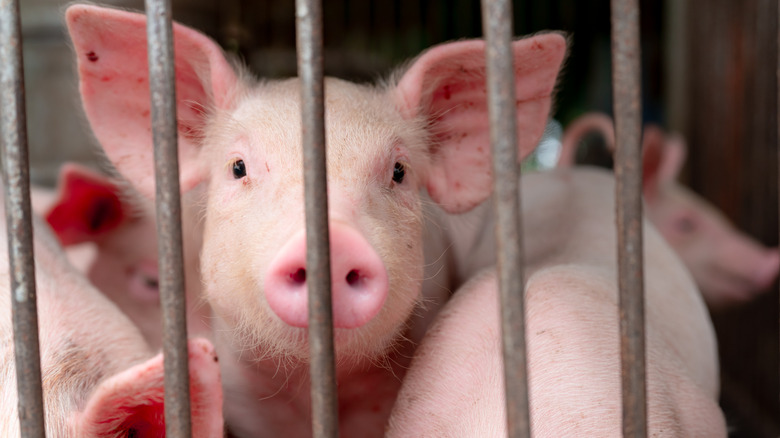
(131, 403)
(445, 87)
(87, 207)
(662, 159)
(110, 46)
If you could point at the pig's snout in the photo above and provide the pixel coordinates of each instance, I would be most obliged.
(767, 269)
(358, 280)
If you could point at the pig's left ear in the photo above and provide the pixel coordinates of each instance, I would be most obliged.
(446, 87)
(131, 403)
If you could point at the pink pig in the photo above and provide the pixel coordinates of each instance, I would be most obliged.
(729, 267)
(240, 159)
(93, 209)
(454, 387)
(100, 378)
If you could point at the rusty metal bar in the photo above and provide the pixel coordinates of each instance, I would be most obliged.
(497, 25)
(16, 172)
(628, 173)
(164, 131)
(308, 22)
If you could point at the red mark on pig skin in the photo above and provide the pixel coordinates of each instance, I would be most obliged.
(92, 56)
(447, 94)
(147, 421)
(106, 78)
(267, 168)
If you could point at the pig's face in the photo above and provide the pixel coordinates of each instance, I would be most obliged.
(254, 214)
(727, 265)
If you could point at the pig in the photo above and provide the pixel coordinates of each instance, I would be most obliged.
(454, 386)
(423, 130)
(105, 213)
(100, 377)
(729, 266)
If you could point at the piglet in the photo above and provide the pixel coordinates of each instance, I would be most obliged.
(729, 266)
(241, 162)
(100, 377)
(455, 388)
(105, 213)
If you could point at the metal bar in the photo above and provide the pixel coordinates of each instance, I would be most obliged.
(16, 178)
(164, 131)
(497, 25)
(308, 15)
(628, 172)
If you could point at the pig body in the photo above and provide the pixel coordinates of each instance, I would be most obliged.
(100, 377)
(454, 387)
(729, 266)
(239, 145)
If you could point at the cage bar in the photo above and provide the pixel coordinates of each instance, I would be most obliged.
(16, 176)
(308, 14)
(628, 173)
(164, 132)
(497, 25)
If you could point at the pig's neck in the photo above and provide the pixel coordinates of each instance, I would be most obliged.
(273, 397)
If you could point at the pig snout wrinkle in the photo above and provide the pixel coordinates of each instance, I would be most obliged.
(359, 282)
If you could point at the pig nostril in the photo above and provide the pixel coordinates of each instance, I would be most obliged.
(299, 276)
(353, 278)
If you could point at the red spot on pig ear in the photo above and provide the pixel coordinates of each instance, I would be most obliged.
(92, 56)
(87, 207)
(445, 87)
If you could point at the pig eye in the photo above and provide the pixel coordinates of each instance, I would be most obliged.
(685, 225)
(398, 173)
(239, 169)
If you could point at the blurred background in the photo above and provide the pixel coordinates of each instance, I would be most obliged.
(709, 72)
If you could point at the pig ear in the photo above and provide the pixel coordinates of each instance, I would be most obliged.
(579, 128)
(446, 87)
(110, 46)
(87, 206)
(675, 154)
(653, 151)
(131, 403)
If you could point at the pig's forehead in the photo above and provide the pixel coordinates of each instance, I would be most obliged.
(355, 114)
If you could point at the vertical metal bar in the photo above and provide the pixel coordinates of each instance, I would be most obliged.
(323, 381)
(16, 173)
(628, 168)
(497, 25)
(164, 131)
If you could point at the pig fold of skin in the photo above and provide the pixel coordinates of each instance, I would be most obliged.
(729, 266)
(241, 163)
(100, 378)
(572, 332)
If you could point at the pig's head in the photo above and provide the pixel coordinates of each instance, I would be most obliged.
(91, 208)
(240, 141)
(728, 266)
